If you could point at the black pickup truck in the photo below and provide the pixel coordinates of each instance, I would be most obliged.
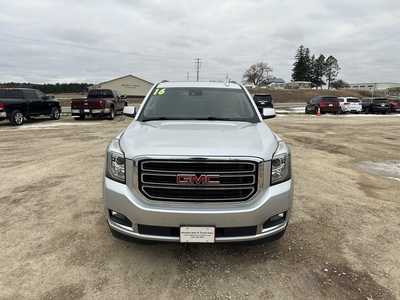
(19, 104)
(263, 101)
(99, 103)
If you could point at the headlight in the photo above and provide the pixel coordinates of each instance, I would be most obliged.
(115, 162)
(280, 164)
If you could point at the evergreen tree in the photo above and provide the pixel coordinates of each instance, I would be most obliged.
(300, 68)
(308, 65)
(319, 71)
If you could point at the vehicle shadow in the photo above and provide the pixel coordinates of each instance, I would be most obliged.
(6, 123)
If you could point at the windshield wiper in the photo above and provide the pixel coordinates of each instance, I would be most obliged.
(155, 119)
(217, 119)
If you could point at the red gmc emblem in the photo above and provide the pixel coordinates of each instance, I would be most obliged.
(194, 179)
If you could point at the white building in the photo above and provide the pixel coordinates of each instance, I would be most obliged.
(374, 85)
(299, 85)
(128, 85)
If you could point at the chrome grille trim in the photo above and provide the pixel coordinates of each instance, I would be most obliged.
(144, 182)
(194, 199)
(236, 187)
(196, 161)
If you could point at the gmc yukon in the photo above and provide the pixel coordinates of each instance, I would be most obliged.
(198, 164)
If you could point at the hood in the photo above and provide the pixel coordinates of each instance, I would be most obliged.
(198, 138)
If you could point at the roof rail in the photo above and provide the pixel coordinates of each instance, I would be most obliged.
(162, 81)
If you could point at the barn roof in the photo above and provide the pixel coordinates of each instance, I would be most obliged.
(129, 75)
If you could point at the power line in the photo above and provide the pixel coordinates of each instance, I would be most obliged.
(197, 62)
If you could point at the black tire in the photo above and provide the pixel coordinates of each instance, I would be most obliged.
(81, 117)
(111, 116)
(118, 235)
(277, 236)
(55, 113)
(16, 118)
(266, 240)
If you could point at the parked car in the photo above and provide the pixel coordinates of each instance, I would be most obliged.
(20, 104)
(325, 104)
(198, 164)
(394, 105)
(98, 103)
(350, 104)
(263, 100)
(365, 104)
(376, 105)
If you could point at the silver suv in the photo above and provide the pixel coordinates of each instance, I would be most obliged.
(198, 164)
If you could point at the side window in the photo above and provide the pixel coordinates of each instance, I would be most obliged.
(31, 95)
(39, 94)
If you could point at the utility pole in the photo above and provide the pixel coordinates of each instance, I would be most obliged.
(187, 76)
(197, 62)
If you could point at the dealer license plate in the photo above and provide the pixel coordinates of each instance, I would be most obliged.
(197, 234)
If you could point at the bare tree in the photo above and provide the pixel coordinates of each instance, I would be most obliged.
(331, 70)
(257, 74)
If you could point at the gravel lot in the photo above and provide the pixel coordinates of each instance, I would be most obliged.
(343, 241)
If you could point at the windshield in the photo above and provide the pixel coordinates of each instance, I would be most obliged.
(14, 94)
(262, 98)
(380, 101)
(353, 100)
(330, 99)
(199, 104)
(100, 94)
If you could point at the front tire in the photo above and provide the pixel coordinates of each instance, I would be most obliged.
(16, 118)
(119, 236)
(277, 236)
(55, 113)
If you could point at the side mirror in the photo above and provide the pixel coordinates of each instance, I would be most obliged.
(268, 113)
(124, 97)
(130, 111)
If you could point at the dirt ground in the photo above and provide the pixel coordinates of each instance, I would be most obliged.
(343, 241)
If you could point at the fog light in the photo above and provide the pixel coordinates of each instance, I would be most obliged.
(275, 220)
(120, 218)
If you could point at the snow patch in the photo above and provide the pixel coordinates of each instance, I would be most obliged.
(389, 168)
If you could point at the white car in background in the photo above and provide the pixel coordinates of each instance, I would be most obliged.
(350, 104)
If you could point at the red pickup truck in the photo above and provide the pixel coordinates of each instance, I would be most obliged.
(98, 103)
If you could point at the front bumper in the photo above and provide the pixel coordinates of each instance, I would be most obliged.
(351, 109)
(266, 203)
(89, 111)
(328, 109)
(380, 109)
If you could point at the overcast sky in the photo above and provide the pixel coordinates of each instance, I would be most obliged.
(92, 40)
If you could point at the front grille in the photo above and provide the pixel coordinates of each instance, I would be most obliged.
(236, 180)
